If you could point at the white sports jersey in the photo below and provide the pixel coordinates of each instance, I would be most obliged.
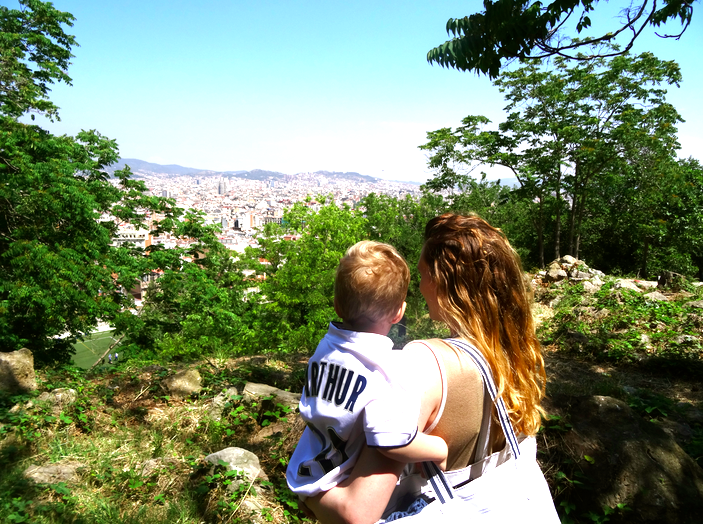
(352, 395)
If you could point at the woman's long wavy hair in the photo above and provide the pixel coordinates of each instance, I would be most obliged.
(484, 299)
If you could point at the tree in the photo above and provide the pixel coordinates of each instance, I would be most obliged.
(59, 273)
(510, 29)
(568, 131)
(294, 303)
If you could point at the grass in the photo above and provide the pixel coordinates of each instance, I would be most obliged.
(89, 350)
(123, 424)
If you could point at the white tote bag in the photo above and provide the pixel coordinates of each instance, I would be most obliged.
(507, 486)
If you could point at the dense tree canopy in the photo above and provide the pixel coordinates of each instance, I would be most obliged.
(510, 29)
(574, 135)
(59, 272)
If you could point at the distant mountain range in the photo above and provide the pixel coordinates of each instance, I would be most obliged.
(140, 167)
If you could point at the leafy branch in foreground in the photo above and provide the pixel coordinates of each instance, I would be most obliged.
(510, 29)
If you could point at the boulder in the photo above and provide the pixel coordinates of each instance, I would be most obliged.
(183, 384)
(255, 392)
(656, 296)
(156, 465)
(671, 280)
(53, 473)
(17, 371)
(568, 259)
(623, 283)
(241, 460)
(58, 398)
(589, 287)
(634, 462)
(695, 303)
(555, 275)
(220, 401)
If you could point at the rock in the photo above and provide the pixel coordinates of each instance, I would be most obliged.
(684, 339)
(554, 265)
(656, 296)
(589, 287)
(254, 392)
(629, 390)
(555, 275)
(647, 284)
(252, 509)
(156, 465)
(183, 384)
(239, 459)
(681, 432)
(634, 462)
(53, 473)
(58, 398)
(17, 372)
(626, 284)
(644, 339)
(575, 274)
(695, 303)
(689, 413)
(669, 279)
(218, 403)
(568, 259)
(601, 313)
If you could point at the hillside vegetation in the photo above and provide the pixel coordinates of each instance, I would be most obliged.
(138, 452)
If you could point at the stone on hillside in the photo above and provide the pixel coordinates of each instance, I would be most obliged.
(656, 296)
(58, 398)
(695, 303)
(239, 459)
(684, 339)
(556, 275)
(253, 510)
(622, 283)
(647, 283)
(568, 259)
(218, 403)
(669, 279)
(601, 313)
(254, 392)
(156, 465)
(634, 462)
(17, 371)
(575, 274)
(53, 473)
(589, 287)
(183, 384)
(554, 265)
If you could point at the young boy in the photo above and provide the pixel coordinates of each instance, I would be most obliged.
(354, 382)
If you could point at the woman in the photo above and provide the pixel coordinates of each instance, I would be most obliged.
(472, 280)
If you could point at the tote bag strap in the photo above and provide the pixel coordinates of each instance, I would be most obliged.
(487, 376)
(440, 485)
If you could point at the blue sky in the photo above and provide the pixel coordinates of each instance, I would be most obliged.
(292, 85)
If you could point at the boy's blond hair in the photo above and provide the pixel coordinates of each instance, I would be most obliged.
(371, 282)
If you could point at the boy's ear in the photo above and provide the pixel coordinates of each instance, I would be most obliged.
(399, 316)
(336, 307)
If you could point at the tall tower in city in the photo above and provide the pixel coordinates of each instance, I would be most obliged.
(222, 186)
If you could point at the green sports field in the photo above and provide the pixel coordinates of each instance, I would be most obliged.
(88, 350)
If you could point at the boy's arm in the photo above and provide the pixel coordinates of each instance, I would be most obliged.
(423, 448)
